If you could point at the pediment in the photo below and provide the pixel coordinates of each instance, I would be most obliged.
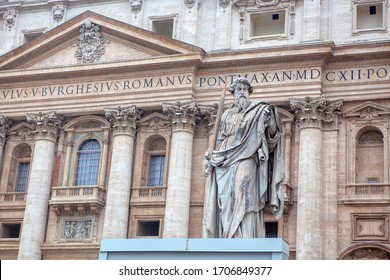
(367, 109)
(91, 34)
(22, 130)
(155, 121)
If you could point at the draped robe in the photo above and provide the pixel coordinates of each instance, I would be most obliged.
(247, 175)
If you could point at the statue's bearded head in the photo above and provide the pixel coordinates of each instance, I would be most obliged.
(241, 96)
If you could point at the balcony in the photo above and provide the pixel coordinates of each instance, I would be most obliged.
(148, 195)
(77, 200)
(375, 193)
(13, 200)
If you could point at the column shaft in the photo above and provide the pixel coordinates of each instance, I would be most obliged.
(123, 120)
(118, 194)
(177, 208)
(309, 236)
(38, 192)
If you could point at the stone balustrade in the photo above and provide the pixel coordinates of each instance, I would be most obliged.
(364, 193)
(147, 193)
(81, 199)
(13, 197)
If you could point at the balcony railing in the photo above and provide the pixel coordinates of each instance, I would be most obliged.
(148, 194)
(13, 197)
(81, 199)
(365, 193)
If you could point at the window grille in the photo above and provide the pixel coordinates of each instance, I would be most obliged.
(23, 176)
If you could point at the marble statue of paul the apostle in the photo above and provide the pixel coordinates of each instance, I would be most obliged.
(246, 168)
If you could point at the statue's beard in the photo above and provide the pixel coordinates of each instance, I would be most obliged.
(242, 103)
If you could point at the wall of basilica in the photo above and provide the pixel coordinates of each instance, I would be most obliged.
(103, 123)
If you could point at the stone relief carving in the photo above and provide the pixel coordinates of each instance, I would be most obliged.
(4, 126)
(224, 3)
(156, 124)
(91, 43)
(46, 125)
(316, 112)
(265, 3)
(124, 120)
(183, 115)
(368, 253)
(77, 229)
(158, 145)
(58, 12)
(10, 18)
(91, 124)
(136, 6)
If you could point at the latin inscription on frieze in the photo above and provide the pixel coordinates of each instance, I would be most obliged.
(139, 85)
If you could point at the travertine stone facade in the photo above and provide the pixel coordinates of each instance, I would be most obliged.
(324, 64)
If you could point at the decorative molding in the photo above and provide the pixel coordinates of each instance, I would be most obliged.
(124, 120)
(370, 226)
(90, 47)
(316, 112)
(183, 115)
(209, 113)
(10, 18)
(224, 3)
(158, 145)
(58, 11)
(45, 125)
(4, 126)
(91, 124)
(190, 3)
(136, 6)
(371, 137)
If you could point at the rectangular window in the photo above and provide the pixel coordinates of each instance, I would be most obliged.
(21, 185)
(267, 24)
(10, 230)
(163, 27)
(148, 228)
(156, 170)
(369, 16)
(271, 230)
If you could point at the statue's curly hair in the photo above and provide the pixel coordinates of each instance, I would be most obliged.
(241, 80)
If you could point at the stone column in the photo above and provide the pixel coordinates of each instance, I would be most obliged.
(177, 208)
(4, 125)
(46, 127)
(124, 121)
(310, 115)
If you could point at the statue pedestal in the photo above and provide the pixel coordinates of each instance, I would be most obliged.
(194, 249)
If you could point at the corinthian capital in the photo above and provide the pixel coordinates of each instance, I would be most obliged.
(182, 114)
(45, 125)
(4, 125)
(209, 113)
(316, 111)
(123, 119)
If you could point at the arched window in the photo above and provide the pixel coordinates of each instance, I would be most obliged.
(88, 160)
(369, 156)
(157, 162)
(19, 169)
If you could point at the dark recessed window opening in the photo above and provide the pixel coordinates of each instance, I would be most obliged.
(372, 10)
(10, 231)
(271, 229)
(150, 228)
(275, 16)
